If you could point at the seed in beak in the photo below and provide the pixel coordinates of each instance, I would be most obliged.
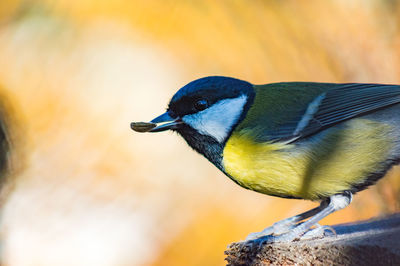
(142, 126)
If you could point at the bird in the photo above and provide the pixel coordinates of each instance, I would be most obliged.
(301, 140)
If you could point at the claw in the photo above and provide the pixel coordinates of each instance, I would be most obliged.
(278, 228)
(253, 236)
(331, 229)
(318, 232)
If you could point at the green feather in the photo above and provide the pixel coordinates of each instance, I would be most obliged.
(278, 111)
(278, 107)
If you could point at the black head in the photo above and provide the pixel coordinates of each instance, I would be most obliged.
(205, 111)
(204, 92)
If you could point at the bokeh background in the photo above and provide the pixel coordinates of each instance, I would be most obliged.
(84, 189)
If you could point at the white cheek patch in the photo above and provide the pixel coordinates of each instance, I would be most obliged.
(217, 120)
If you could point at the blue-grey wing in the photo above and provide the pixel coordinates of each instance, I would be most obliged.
(341, 103)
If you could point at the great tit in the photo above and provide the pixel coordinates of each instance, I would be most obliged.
(303, 140)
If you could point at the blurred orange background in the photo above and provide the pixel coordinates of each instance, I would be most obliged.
(86, 190)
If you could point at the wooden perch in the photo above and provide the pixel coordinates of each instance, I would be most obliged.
(372, 242)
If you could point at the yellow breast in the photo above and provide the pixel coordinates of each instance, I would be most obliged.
(320, 167)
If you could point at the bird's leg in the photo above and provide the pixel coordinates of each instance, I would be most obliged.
(336, 202)
(287, 224)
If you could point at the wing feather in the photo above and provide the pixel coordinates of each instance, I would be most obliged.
(348, 101)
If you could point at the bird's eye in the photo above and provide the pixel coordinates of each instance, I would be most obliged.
(201, 105)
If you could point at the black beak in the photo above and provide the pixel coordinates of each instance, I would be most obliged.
(166, 122)
(158, 124)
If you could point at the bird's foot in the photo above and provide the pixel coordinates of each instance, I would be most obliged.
(268, 239)
(319, 232)
(289, 234)
(278, 228)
